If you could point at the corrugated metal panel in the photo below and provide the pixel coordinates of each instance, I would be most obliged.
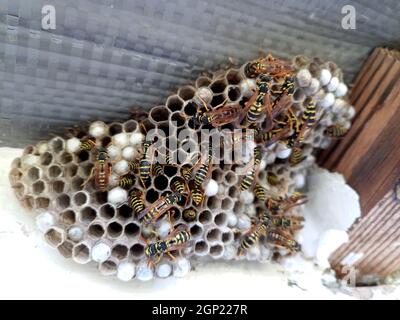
(105, 56)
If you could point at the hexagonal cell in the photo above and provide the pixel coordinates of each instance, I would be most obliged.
(15, 176)
(137, 251)
(85, 170)
(170, 171)
(63, 201)
(107, 212)
(87, 215)
(46, 158)
(65, 249)
(108, 268)
(124, 213)
(42, 203)
(65, 158)
(159, 114)
(70, 170)
(54, 171)
(114, 230)
(238, 207)
(196, 230)
(54, 237)
(174, 103)
(231, 178)
(203, 82)
(120, 251)
(115, 128)
(218, 86)
(19, 190)
(77, 184)
(34, 174)
(105, 142)
(205, 217)
(213, 203)
(38, 187)
(100, 197)
(16, 163)
(152, 195)
(201, 248)
(161, 183)
(82, 156)
(80, 198)
(68, 217)
(233, 93)
(213, 235)
(58, 186)
(227, 237)
(96, 230)
(233, 76)
(177, 119)
(131, 126)
(221, 219)
(81, 253)
(57, 145)
(186, 92)
(190, 109)
(216, 251)
(227, 204)
(132, 230)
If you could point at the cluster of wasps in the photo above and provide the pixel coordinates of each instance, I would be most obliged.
(270, 114)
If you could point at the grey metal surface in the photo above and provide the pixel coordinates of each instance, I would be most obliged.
(107, 55)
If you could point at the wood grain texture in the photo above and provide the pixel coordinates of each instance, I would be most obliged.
(376, 238)
(369, 158)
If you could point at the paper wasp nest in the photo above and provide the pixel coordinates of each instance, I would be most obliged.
(92, 226)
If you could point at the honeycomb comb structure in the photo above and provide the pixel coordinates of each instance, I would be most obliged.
(94, 226)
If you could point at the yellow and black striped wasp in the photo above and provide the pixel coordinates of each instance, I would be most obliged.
(101, 170)
(335, 131)
(291, 223)
(250, 238)
(136, 201)
(88, 144)
(153, 212)
(270, 65)
(281, 204)
(249, 178)
(176, 240)
(283, 240)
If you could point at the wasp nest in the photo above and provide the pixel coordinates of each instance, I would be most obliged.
(91, 225)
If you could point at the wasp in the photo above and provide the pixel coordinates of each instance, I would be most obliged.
(268, 65)
(259, 102)
(248, 179)
(186, 172)
(204, 170)
(252, 237)
(157, 169)
(136, 201)
(178, 185)
(218, 116)
(197, 193)
(88, 144)
(283, 240)
(281, 204)
(272, 179)
(101, 170)
(296, 156)
(268, 138)
(145, 166)
(189, 215)
(335, 131)
(152, 213)
(260, 192)
(286, 88)
(133, 166)
(126, 181)
(175, 241)
(292, 223)
(309, 115)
